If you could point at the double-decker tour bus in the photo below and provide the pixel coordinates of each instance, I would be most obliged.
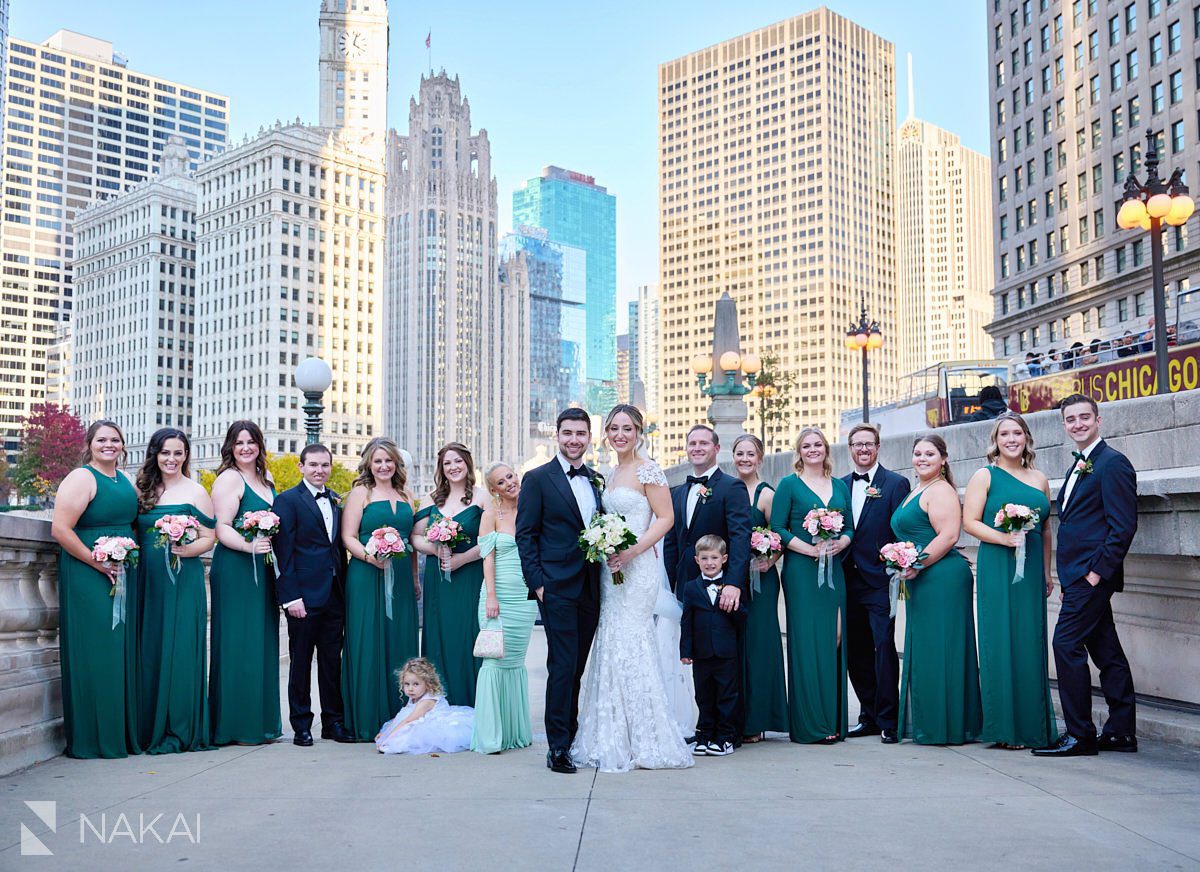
(938, 395)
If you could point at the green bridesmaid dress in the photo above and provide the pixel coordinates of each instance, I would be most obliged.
(816, 668)
(98, 659)
(243, 689)
(172, 689)
(764, 687)
(1013, 677)
(502, 718)
(939, 687)
(376, 646)
(451, 612)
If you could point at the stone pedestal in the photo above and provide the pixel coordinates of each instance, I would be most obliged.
(728, 417)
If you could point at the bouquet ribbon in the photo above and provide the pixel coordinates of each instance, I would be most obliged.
(170, 561)
(755, 580)
(824, 566)
(118, 609)
(894, 576)
(1020, 570)
(389, 580)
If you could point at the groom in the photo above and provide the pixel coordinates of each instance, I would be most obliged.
(557, 501)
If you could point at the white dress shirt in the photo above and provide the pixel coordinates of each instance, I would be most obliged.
(581, 487)
(858, 492)
(325, 505)
(1069, 485)
(714, 586)
(693, 497)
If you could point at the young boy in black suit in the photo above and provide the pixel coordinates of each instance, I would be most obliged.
(708, 641)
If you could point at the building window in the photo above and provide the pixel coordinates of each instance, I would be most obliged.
(1120, 259)
(1118, 121)
(1118, 167)
(1024, 340)
(1156, 98)
(1137, 252)
(1097, 224)
(1177, 137)
(1093, 45)
(1131, 65)
(1123, 309)
(1135, 112)
(1084, 273)
(1004, 265)
(1131, 19)
(1115, 73)
(1114, 30)
(1174, 35)
(1004, 227)
(1176, 82)
(1139, 305)
(1004, 304)
(1156, 49)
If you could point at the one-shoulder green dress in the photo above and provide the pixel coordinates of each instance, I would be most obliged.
(243, 690)
(816, 668)
(451, 611)
(764, 687)
(377, 646)
(502, 718)
(939, 687)
(172, 686)
(99, 660)
(1013, 659)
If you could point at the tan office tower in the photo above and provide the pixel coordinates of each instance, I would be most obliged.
(943, 248)
(776, 184)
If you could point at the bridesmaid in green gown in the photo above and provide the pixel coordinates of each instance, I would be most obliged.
(939, 687)
(243, 689)
(502, 718)
(452, 577)
(1013, 659)
(381, 636)
(172, 687)
(98, 659)
(816, 665)
(764, 688)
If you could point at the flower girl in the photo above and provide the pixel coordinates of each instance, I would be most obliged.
(427, 723)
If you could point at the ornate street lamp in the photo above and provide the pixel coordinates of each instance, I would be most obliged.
(864, 335)
(313, 377)
(1149, 206)
(727, 411)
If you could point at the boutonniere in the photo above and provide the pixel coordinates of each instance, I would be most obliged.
(705, 493)
(873, 493)
(598, 483)
(1083, 467)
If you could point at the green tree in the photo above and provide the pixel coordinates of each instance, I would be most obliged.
(285, 470)
(774, 389)
(51, 445)
(207, 477)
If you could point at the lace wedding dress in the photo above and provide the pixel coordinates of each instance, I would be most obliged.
(625, 720)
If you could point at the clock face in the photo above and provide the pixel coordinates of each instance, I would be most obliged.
(351, 43)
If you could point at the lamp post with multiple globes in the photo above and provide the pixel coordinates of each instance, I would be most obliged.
(313, 377)
(864, 335)
(737, 374)
(1149, 207)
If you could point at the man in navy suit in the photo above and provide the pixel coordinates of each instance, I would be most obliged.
(871, 658)
(557, 501)
(1097, 519)
(310, 575)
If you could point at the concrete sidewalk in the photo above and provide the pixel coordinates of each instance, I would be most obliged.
(856, 805)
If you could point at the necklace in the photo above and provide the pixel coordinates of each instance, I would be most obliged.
(114, 477)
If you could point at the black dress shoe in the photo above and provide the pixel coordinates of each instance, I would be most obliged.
(691, 740)
(337, 731)
(862, 730)
(303, 738)
(560, 761)
(1067, 746)
(1127, 744)
(888, 737)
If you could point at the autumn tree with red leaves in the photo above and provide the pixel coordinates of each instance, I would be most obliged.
(51, 446)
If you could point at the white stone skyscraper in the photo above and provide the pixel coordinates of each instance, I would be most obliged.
(135, 292)
(290, 257)
(446, 323)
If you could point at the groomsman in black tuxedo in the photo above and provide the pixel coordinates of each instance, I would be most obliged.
(557, 501)
(1097, 519)
(871, 659)
(309, 584)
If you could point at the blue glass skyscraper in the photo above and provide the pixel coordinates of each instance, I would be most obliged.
(575, 211)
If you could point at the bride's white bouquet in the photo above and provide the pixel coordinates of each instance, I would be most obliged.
(606, 535)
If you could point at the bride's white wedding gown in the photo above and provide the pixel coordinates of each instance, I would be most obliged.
(625, 720)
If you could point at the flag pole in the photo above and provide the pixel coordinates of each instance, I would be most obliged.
(429, 51)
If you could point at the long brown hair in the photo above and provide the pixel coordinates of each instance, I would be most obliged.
(940, 444)
(91, 434)
(149, 477)
(441, 484)
(1028, 455)
(798, 463)
(366, 478)
(231, 436)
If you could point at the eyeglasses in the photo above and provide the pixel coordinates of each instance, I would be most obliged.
(862, 446)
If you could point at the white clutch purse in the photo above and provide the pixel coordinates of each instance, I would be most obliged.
(489, 644)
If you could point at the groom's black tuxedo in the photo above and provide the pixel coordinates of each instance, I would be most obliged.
(1095, 530)
(311, 567)
(548, 526)
(725, 513)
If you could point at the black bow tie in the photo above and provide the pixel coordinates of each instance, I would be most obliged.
(1078, 455)
(322, 495)
(701, 480)
(577, 470)
(861, 476)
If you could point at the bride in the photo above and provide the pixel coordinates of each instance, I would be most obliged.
(625, 720)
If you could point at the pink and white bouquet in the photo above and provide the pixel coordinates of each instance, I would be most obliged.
(606, 535)
(1019, 519)
(764, 543)
(122, 552)
(261, 524)
(383, 544)
(175, 530)
(898, 557)
(824, 525)
(448, 532)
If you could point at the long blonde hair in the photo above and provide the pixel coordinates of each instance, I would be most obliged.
(1028, 455)
(635, 417)
(798, 463)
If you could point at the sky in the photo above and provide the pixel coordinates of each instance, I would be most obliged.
(551, 82)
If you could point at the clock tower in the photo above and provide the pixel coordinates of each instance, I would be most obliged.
(354, 47)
